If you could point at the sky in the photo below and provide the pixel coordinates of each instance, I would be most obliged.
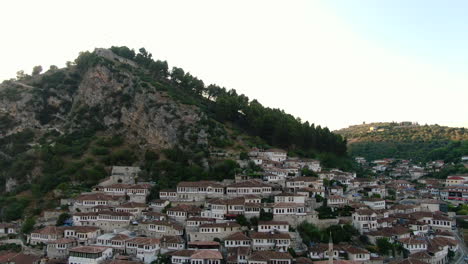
(333, 63)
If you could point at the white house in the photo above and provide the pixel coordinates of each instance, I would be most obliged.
(238, 239)
(365, 220)
(89, 255)
(270, 226)
(188, 256)
(270, 257)
(374, 203)
(271, 241)
(414, 244)
(275, 154)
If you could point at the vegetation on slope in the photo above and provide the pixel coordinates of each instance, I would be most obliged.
(273, 126)
(406, 141)
(65, 146)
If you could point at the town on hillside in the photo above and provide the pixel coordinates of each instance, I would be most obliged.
(294, 211)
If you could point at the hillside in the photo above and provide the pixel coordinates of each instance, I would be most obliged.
(406, 140)
(61, 130)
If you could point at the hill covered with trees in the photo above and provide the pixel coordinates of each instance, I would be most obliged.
(61, 130)
(406, 140)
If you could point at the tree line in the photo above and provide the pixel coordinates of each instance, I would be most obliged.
(274, 126)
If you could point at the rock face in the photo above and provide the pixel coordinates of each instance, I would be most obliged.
(110, 97)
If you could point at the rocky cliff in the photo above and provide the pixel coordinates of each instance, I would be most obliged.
(108, 97)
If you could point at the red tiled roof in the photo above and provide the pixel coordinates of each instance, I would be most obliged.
(18, 258)
(269, 255)
(237, 236)
(267, 235)
(89, 249)
(50, 230)
(197, 254)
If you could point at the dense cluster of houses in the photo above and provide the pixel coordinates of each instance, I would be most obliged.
(198, 222)
(401, 168)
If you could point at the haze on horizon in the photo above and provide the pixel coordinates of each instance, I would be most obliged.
(331, 62)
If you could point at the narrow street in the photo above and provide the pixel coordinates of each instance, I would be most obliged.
(462, 248)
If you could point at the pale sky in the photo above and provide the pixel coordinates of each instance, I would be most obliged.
(333, 63)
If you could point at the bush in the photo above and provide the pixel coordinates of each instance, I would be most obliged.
(10, 247)
(62, 218)
(124, 157)
(13, 208)
(28, 225)
(99, 151)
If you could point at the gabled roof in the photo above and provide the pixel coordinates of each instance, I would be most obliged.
(200, 184)
(269, 255)
(420, 255)
(409, 261)
(232, 201)
(319, 248)
(50, 230)
(276, 150)
(303, 178)
(412, 241)
(144, 241)
(249, 183)
(269, 235)
(288, 205)
(203, 243)
(173, 239)
(303, 260)
(288, 195)
(273, 223)
(82, 229)
(120, 237)
(197, 254)
(222, 225)
(354, 250)
(129, 186)
(18, 258)
(171, 224)
(89, 249)
(112, 213)
(237, 236)
(185, 208)
(132, 205)
(365, 212)
(98, 197)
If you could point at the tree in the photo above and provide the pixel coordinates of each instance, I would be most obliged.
(309, 233)
(37, 70)
(162, 259)
(241, 220)
(20, 75)
(292, 252)
(62, 218)
(243, 156)
(318, 198)
(308, 172)
(53, 68)
(451, 254)
(10, 247)
(264, 216)
(123, 52)
(364, 239)
(28, 225)
(339, 233)
(384, 246)
(166, 208)
(325, 212)
(254, 221)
